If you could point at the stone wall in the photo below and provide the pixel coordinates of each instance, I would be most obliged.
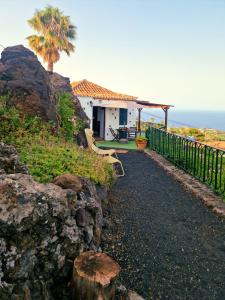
(42, 229)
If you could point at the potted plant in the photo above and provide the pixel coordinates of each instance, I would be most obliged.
(141, 142)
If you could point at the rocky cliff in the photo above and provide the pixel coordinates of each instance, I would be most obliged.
(42, 229)
(27, 83)
(32, 89)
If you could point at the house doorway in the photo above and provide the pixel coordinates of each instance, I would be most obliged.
(99, 121)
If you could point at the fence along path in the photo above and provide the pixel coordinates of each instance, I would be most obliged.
(202, 161)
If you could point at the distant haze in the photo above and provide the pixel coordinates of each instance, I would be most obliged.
(199, 119)
(165, 51)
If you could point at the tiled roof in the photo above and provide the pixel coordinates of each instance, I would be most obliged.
(86, 88)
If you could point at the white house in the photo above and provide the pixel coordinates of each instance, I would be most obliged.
(107, 109)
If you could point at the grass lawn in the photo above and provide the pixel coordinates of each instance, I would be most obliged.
(115, 145)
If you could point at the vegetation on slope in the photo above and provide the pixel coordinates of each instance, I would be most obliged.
(49, 151)
(205, 135)
(201, 135)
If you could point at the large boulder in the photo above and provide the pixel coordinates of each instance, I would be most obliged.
(41, 233)
(27, 83)
(43, 228)
(69, 181)
(32, 89)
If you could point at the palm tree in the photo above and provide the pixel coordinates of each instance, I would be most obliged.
(56, 33)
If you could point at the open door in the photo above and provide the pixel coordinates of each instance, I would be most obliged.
(99, 121)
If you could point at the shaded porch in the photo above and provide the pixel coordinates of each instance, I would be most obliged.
(124, 126)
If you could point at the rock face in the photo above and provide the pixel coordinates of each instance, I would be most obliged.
(42, 229)
(27, 83)
(9, 161)
(32, 89)
(68, 181)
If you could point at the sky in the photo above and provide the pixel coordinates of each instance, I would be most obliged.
(166, 51)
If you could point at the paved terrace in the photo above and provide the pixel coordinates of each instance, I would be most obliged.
(169, 245)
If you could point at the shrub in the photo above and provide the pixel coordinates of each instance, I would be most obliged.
(47, 154)
(48, 157)
(198, 134)
(140, 139)
(69, 124)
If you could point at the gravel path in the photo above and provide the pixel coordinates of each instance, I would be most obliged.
(168, 244)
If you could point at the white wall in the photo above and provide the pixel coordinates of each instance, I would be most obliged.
(112, 119)
(111, 115)
(132, 116)
(87, 107)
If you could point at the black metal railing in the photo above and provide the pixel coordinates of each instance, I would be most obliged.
(200, 160)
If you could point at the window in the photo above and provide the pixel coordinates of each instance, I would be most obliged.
(123, 116)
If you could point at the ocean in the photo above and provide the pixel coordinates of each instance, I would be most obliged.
(199, 119)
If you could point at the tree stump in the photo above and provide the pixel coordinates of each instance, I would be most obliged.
(94, 277)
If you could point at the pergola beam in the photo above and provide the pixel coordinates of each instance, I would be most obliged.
(146, 104)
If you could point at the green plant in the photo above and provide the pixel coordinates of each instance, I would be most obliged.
(140, 139)
(47, 154)
(66, 112)
(48, 157)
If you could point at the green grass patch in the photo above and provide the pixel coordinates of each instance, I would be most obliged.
(116, 145)
(49, 153)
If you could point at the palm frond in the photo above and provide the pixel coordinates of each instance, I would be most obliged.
(56, 33)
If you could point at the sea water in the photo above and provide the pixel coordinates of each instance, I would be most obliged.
(198, 119)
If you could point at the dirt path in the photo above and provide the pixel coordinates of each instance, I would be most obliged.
(168, 244)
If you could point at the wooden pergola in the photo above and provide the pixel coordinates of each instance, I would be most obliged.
(146, 104)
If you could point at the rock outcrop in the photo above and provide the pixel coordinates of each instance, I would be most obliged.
(42, 229)
(69, 181)
(27, 83)
(9, 161)
(32, 89)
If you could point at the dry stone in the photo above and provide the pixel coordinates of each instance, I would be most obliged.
(9, 161)
(69, 181)
(43, 228)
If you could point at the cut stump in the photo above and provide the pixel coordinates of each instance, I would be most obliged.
(94, 277)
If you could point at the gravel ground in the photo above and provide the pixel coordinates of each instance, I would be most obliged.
(169, 245)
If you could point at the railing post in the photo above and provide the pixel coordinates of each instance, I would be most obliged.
(216, 169)
(195, 158)
(204, 163)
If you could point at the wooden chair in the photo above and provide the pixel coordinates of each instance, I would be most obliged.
(114, 134)
(132, 132)
(107, 154)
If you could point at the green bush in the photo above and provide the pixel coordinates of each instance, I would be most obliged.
(48, 157)
(69, 125)
(198, 134)
(46, 153)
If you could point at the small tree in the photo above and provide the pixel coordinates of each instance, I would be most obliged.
(56, 33)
